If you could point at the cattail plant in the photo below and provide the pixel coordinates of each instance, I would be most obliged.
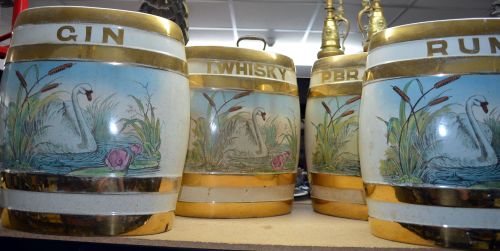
(446, 81)
(59, 68)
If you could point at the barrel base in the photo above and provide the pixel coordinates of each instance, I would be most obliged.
(233, 210)
(340, 209)
(87, 225)
(435, 235)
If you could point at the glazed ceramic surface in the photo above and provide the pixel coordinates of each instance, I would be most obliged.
(245, 124)
(331, 134)
(429, 138)
(96, 121)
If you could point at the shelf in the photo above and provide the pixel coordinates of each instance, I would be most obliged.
(301, 230)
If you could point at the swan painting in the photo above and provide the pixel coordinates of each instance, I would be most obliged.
(68, 129)
(252, 146)
(463, 140)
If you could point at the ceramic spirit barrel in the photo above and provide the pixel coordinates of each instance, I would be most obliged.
(244, 139)
(331, 134)
(429, 133)
(97, 118)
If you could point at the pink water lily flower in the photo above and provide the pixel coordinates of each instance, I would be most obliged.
(117, 159)
(279, 161)
(136, 148)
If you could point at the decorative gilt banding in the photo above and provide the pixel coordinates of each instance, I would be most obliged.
(433, 66)
(96, 53)
(69, 15)
(340, 209)
(436, 29)
(337, 181)
(340, 61)
(235, 181)
(243, 83)
(43, 182)
(446, 197)
(233, 210)
(337, 89)
(238, 54)
(88, 225)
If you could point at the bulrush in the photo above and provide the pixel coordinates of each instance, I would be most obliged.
(438, 101)
(234, 108)
(210, 100)
(401, 94)
(347, 113)
(326, 107)
(59, 68)
(353, 99)
(49, 87)
(242, 94)
(24, 84)
(446, 81)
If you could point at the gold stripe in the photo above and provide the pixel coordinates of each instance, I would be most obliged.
(426, 67)
(396, 232)
(340, 209)
(40, 182)
(233, 210)
(447, 197)
(436, 29)
(336, 181)
(435, 235)
(85, 225)
(238, 54)
(224, 180)
(337, 89)
(340, 61)
(245, 83)
(69, 15)
(96, 53)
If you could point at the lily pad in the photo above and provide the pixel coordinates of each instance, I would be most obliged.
(142, 164)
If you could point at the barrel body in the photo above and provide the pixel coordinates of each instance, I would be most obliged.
(331, 134)
(96, 107)
(429, 133)
(244, 138)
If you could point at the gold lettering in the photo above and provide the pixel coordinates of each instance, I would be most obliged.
(475, 42)
(88, 33)
(108, 33)
(494, 45)
(325, 76)
(431, 49)
(352, 74)
(270, 72)
(338, 75)
(241, 68)
(259, 70)
(282, 71)
(70, 29)
(225, 68)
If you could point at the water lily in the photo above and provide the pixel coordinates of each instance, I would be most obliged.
(117, 159)
(136, 148)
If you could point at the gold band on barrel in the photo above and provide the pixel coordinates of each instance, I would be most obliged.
(88, 225)
(243, 83)
(435, 235)
(68, 15)
(40, 182)
(227, 180)
(434, 196)
(337, 89)
(233, 210)
(96, 53)
(433, 66)
(339, 62)
(337, 181)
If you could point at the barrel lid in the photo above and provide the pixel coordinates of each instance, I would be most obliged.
(72, 14)
(239, 54)
(435, 29)
(340, 61)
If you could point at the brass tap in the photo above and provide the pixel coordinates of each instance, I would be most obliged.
(330, 42)
(376, 20)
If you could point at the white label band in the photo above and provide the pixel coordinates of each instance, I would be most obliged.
(453, 217)
(242, 69)
(97, 34)
(434, 48)
(342, 75)
(335, 194)
(237, 194)
(89, 204)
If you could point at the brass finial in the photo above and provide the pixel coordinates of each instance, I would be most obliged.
(330, 44)
(376, 20)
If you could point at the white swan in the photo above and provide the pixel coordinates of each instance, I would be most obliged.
(462, 140)
(252, 146)
(68, 130)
